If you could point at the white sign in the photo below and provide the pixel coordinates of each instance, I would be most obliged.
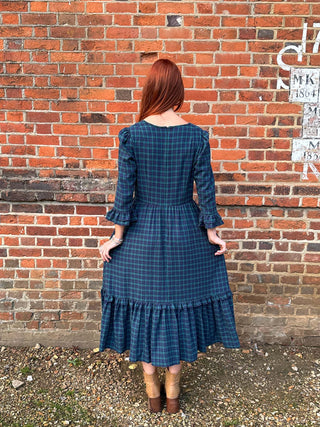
(311, 120)
(304, 85)
(306, 150)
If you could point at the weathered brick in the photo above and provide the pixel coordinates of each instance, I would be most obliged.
(313, 247)
(265, 34)
(59, 159)
(174, 20)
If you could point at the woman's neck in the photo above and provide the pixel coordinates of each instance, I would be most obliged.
(169, 118)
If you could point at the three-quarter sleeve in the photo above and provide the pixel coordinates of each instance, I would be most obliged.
(122, 212)
(203, 176)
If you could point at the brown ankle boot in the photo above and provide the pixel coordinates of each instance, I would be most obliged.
(153, 391)
(172, 385)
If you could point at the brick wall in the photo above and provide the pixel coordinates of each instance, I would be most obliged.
(71, 79)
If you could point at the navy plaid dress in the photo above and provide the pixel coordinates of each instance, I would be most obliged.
(164, 294)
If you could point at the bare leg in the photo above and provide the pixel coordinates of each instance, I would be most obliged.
(148, 368)
(174, 369)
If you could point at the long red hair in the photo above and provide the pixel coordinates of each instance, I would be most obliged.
(163, 89)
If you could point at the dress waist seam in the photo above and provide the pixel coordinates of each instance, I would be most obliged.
(144, 202)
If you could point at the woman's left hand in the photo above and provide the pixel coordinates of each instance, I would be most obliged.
(214, 239)
(106, 248)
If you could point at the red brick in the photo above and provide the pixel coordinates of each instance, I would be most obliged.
(201, 21)
(232, 46)
(39, 6)
(35, 18)
(96, 94)
(204, 8)
(119, 7)
(66, 6)
(228, 83)
(262, 8)
(266, 21)
(68, 32)
(141, 20)
(200, 46)
(291, 9)
(175, 8)
(9, 6)
(233, 21)
(232, 58)
(123, 32)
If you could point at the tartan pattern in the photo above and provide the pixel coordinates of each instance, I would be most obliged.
(164, 294)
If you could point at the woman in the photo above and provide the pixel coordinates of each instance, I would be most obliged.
(165, 292)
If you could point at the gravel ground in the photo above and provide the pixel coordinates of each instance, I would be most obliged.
(269, 385)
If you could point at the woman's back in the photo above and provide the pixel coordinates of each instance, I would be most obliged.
(165, 158)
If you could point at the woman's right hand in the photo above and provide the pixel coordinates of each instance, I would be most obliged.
(215, 240)
(106, 248)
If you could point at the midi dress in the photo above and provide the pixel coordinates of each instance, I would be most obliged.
(165, 295)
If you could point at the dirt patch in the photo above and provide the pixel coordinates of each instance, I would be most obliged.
(272, 385)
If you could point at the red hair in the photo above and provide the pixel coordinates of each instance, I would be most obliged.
(163, 89)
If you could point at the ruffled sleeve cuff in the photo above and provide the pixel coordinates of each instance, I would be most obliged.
(121, 217)
(210, 220)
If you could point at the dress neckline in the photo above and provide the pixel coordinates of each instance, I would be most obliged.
(170, 126)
